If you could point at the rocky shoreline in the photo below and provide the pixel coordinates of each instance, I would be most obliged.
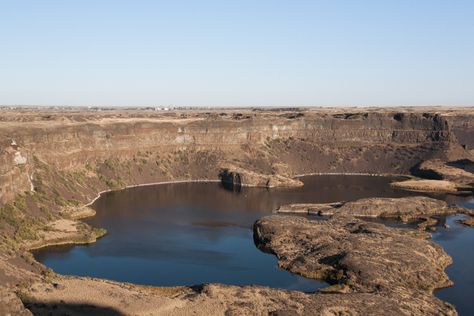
(355, 256)
(403, 209)
(423, 185)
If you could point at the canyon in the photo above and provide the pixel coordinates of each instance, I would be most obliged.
(54, 162)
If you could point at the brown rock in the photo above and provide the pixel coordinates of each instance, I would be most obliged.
(364, 256)
(404, 209)
(468, 221)
(458, 171)
(238, 176)
(423, 185)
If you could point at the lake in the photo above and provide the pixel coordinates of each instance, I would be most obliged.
(195, 233)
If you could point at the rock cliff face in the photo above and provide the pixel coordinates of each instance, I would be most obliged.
(462, 126)
(14, 171)
(130, 147)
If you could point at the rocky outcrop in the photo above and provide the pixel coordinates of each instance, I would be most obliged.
(64, 232)
(235, 178)
(404, 209)
(231, 180)
(440, 186)
(459, 171)
(359, 257)
(14, 170)
(462, 125)
(468, 221)
(423, 210)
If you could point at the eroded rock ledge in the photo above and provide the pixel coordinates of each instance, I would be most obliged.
(459, 171)
(456, 176)
(404, 209)
(236, 177)
(360, 257)
(428, 185)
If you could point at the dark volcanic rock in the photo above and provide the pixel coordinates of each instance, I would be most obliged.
(235, 177)
(230, 180)
(404, 209)
(363, 255)
(358, 257)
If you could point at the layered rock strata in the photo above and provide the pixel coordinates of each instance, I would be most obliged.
(185, 145)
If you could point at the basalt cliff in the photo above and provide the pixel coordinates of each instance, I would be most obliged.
(117, 148)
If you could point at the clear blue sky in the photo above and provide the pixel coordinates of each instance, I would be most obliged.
(241, 52)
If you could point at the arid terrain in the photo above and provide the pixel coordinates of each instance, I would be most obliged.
(56, 161)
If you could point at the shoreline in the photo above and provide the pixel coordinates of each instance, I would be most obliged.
(63, 243)
(99, 194)
(351, 174)
(78, 219)
(148, 184)
(243, 185)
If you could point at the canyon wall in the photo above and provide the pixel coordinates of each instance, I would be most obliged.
(462, 125)
(186, 145)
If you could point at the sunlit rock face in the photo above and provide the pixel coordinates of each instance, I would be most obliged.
(196, 144)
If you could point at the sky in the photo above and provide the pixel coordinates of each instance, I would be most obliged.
(237, 53)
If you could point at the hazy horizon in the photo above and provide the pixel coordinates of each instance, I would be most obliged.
(237, 54)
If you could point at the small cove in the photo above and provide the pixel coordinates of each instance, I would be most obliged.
(458, 241)
(194, 233)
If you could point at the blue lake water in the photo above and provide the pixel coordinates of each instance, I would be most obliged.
(458, 241)
(195, 233)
